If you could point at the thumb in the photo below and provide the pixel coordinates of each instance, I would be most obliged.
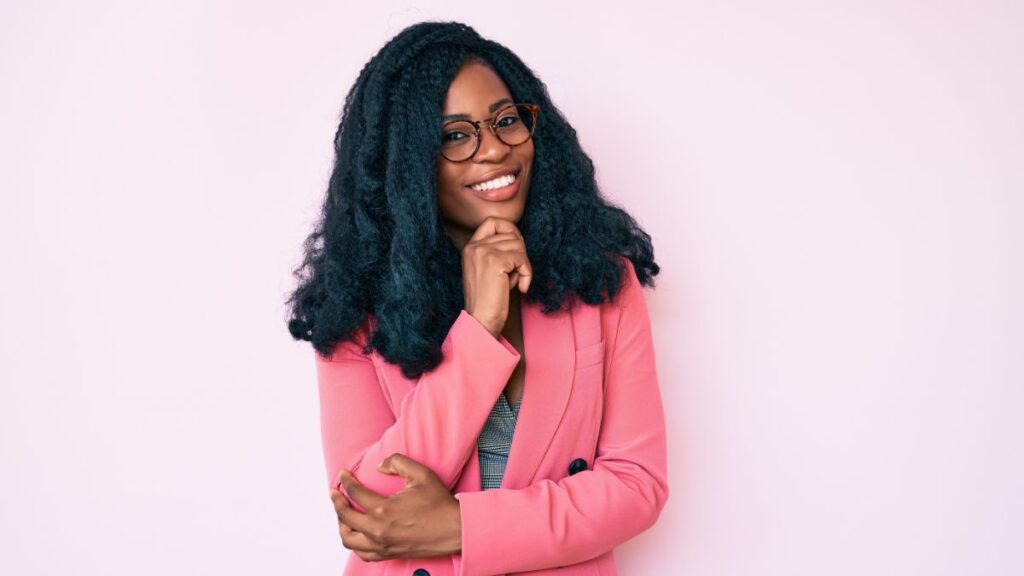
(401, 465)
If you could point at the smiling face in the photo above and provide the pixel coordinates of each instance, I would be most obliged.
(477, 93)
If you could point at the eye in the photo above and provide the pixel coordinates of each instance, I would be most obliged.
(455, 136)
(506, 121)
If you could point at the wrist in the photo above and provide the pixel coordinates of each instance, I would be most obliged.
(493, 327)
(454, 540)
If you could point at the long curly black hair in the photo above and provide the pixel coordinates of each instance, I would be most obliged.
(379, 249)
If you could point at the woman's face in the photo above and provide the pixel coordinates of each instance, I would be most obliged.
(478, 92)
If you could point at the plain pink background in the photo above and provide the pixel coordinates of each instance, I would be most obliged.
(834, 190)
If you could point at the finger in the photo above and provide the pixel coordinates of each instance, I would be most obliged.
(357, 541)
(503, 241)
(493, 225)
(339, 500)
(350, 516)
(512, 263)
(503, 245)
(524, 282)
(354, 539)
(341, 504)
(498, 237)
(516, 261)
(515, 266)
(405, 467)
(360, 494)
(370, 556)
(525, 272)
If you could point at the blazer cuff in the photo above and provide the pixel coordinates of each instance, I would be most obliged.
(470, 335)
(479, 533)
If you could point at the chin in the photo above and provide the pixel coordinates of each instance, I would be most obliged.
(511, 209)
(510, 213)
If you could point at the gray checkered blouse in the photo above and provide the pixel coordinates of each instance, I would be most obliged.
(495, 440)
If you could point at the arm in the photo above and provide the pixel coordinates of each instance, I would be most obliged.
(549, 523)
(438, 421)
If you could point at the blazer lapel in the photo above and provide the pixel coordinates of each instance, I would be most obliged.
(550, 347)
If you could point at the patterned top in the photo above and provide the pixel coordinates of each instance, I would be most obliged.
(495, 440)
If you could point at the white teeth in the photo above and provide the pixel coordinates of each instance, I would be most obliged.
(499, 182)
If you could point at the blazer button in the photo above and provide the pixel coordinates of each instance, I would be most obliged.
(577, 465)
(420, 572)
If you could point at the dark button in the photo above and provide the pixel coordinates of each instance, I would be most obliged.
(577, 465)
(420, 572)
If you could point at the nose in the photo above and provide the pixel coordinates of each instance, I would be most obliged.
(491, 148)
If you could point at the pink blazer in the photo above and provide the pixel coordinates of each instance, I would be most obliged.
(587, 467)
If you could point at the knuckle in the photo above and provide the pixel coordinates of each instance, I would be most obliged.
(378, 534)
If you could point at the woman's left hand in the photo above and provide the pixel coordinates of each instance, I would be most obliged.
(420, 520)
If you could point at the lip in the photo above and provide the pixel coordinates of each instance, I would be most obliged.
(492, 175)
(503, 193)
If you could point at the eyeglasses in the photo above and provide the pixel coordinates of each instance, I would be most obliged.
(512, 125)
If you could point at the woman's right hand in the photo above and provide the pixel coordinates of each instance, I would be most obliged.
(493, 263)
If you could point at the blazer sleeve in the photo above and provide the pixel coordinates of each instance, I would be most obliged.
(556, 523)
(437, 422)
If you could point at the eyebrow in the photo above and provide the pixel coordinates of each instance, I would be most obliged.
(491, 108)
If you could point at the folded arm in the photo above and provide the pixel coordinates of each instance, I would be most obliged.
(438, 421)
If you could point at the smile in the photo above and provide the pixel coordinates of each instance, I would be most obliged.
(498, 189)
(499, 182)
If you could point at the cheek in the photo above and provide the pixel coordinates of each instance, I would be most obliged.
(445, 176)
(452, 200)
(526, 157)
(527, 161)
(447, 184)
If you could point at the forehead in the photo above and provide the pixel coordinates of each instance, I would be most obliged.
(474, 90)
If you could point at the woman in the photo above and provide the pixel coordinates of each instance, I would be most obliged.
(467, 281)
